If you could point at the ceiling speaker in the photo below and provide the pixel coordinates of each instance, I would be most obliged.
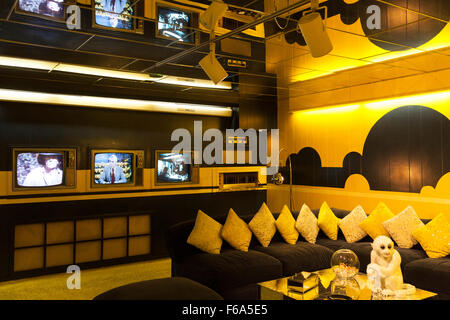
(211, 16)
(315, 34)
(213, 68)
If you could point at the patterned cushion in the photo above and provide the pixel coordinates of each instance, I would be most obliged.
(307, 225)
(236, 232)
(434, 237)
(401, 227)
(263, 225)
(350, 225)
(206, 234)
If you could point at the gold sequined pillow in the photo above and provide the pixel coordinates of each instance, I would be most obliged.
(307, 225)
(285, 224)
(434, 237)
(401, 227)
(350, 225)
(236, 232)
(206, 234)
(263, 225)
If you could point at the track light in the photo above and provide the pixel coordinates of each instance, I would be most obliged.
(314, 31)
(211, 16)
(213, 68)
(209, 63)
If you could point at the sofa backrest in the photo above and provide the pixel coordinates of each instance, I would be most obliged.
(178, 234)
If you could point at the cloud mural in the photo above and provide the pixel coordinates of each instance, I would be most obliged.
(406, 150)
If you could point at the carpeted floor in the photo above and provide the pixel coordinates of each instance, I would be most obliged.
(93, 282)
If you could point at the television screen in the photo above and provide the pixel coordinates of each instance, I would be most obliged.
(35, 169)
(172, 23)
(173, 167)
(115, 14)
(113, 168)
(49, 8)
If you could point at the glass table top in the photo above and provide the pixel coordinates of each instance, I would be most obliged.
(320, 285)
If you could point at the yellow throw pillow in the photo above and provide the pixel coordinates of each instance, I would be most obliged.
(286, 226)
(373, 224)
(328, 222)
(401, 226)
(236, 232)
(350, 225)
(263, 225)
(434, 237)
(306, 224)
(206, 234)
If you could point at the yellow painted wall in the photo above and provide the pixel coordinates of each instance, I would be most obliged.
(338, 130)
(426, 206)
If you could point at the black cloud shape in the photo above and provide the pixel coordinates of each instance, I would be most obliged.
(407, 149)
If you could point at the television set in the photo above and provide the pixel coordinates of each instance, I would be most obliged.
(49, 9)
(44, 168)
(173, 167)
(176, 24)
(116, 15)
(116, 167)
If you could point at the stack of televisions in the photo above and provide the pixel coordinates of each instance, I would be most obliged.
(55, 168)
(173, 23)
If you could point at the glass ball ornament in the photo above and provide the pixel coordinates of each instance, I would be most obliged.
(344, 289)
(344, 263)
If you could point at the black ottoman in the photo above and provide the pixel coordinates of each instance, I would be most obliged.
(176, 288)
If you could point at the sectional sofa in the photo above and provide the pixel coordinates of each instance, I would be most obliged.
(234, 274)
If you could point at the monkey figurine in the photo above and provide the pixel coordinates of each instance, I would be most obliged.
(384, 272)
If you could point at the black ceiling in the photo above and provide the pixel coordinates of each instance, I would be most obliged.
(36, 38)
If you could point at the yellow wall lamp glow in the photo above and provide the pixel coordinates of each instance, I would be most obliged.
(436, 98)
(113, 103)
(108, 73)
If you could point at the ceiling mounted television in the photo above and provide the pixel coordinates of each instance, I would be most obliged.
(116, 15)
(173, 167)
(50, 9)
(44, 168)
(116, 167)
(176, 24)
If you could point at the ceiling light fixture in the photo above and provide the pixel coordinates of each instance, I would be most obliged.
(51, 66)
(113, 103)
(314, 30)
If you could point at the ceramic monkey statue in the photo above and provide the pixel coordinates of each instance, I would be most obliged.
(384, 270)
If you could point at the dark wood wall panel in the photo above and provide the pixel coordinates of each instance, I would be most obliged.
(41, 125)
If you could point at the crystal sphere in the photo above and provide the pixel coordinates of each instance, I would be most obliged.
(344, 289)
(345, 263)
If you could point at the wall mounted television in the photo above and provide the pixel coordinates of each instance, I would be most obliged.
(117, 15)
(176, 24)
(48, 9)
(116, 168)
(173, 167)
(44, 168)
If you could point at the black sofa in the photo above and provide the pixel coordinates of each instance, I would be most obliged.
(234, 274)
